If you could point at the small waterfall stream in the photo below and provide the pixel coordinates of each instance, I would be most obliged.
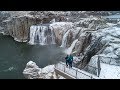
(64, 40)
(69, 50)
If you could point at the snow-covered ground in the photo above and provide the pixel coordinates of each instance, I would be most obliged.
(109, 71)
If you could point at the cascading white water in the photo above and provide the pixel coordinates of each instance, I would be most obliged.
(64, 40)
(42, 35)
(32, 34)
(53, 37)
(69, 50)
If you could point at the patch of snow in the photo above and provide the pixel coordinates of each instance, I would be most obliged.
(109, 71)
(47, 69)
(52, 21)
(108, 50)
(16, 39)
(118, 52)
(114, 45)
(111, 55)
(56, 24)
(76, 59)
(2, 33)
(93, 61)
(31, 64)
(118, 22)
(111, 24)
(61, 77)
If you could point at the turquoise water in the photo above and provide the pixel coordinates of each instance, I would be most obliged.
(14, 57)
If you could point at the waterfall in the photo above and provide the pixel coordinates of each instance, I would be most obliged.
(42, 35)
(69, 50)
(64, 40)
(32, 34)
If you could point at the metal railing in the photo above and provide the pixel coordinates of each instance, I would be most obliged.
(74, 72)
(91, 69)
(103, 59)
(109, 60)
(94, 70)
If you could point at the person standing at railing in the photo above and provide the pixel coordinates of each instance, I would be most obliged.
(70, 60)
(67, 60)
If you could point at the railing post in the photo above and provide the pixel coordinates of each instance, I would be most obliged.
(76, 74)
(91, 77)
(110, 59)
(64, 68)
(99, 68)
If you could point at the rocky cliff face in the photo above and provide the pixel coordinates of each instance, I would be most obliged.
(104, 44)
(17, 23)
(18, 27)
(110, 36)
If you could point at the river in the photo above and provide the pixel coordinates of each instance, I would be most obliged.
(15, 55)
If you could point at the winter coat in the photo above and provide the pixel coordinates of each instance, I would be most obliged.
(71, 58)
(67, 58)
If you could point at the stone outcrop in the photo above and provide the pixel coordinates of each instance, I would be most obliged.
(32, 71)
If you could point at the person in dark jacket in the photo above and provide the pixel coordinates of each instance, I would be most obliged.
(70, 60)
(67, 58)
